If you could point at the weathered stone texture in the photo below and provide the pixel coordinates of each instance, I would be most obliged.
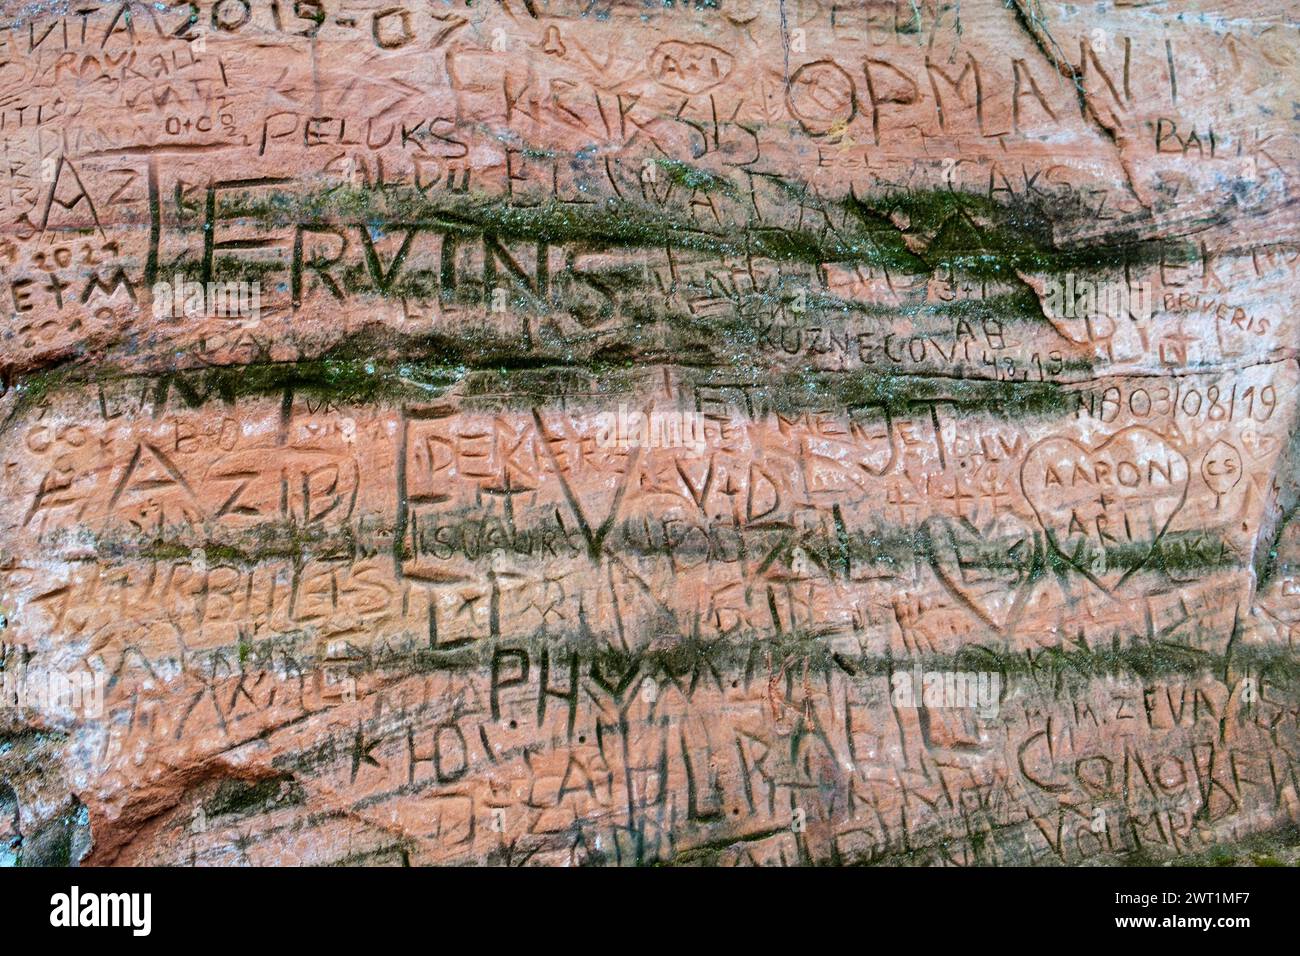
(967, 336)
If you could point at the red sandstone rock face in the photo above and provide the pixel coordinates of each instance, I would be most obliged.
(552, 433)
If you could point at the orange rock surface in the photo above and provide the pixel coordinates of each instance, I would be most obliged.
(550, 433)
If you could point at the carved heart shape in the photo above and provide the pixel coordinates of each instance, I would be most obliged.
(1081, 324)
(1105, 509)
(990, 570)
